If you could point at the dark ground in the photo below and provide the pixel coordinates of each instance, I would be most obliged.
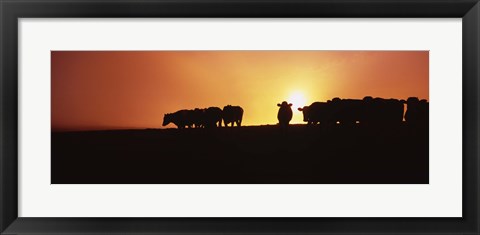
(245, 155)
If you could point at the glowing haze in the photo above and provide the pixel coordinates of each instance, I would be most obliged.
(130, 89)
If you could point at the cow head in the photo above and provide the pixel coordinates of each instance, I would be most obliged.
(167, 118)
(304, 110)
(284, 104)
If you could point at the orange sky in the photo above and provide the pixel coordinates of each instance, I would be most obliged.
(130, 89)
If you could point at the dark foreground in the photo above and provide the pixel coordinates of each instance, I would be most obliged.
(245, 155)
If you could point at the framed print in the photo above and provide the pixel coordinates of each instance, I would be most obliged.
(239, 117)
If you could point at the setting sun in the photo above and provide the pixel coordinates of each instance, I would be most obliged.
(297, 98)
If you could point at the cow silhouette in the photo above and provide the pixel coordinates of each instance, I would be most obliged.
(316, 113)
(417, 111)
(181, 118)
(198, 116)
(232, 114)
(383, 111)
(285, 114)
(212, 117)
(346, 111)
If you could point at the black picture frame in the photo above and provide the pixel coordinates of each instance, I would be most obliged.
(11, 11)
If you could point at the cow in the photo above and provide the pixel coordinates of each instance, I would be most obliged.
(181, 118)
(346, 111)
(317, 112)
(417, 111)
(285, 114)
(383, 111)
(394, 110)
(233, 115)
(212, 117)
(198, 117)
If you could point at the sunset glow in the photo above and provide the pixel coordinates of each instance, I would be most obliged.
(134, 89)
(297, 99)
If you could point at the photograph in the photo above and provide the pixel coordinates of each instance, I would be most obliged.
(240, 117)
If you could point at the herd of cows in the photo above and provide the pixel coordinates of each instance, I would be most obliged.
(205, 118)
(336, 111)
(354, 111)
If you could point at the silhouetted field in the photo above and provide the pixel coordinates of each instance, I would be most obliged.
(243, 155)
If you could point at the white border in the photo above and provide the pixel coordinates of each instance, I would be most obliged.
(441, 198)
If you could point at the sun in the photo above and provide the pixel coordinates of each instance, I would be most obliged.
(297, 98)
